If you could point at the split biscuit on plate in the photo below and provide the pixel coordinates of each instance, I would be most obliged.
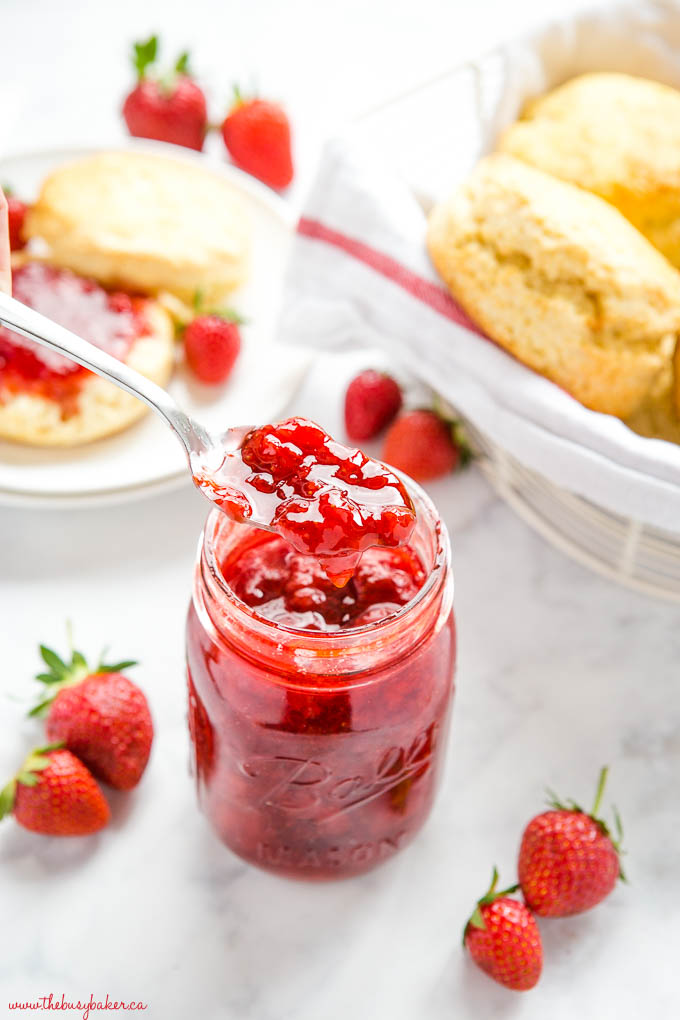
(561, 280)
(615, 135)
(146, 223)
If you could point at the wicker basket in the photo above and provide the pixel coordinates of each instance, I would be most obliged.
(634, 554)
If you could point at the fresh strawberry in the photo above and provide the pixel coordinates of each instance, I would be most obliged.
(371, 402)
(503, 939)
(54, 794)
(171, 108)
(100, 715)
(568, 861)
(256, 133)
(16, 214)
(422, 445)
(212, 343)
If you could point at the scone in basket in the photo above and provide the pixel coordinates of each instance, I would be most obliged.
(606, 496)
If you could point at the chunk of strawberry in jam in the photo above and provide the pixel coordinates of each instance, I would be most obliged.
(202, 735)
(294, 591)
(327, 500)
(388, 575)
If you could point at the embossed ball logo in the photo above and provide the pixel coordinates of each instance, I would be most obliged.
(309, 787)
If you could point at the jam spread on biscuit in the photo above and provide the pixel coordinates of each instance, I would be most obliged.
(110, 320)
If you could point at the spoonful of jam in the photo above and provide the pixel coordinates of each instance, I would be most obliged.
(325, 499)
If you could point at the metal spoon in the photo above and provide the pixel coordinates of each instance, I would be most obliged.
(205, 453)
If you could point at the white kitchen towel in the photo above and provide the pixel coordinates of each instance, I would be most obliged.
(360, 275)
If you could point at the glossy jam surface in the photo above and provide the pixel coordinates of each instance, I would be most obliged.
(325, 499)
(325, 772)
(293, 590)
(112, 321)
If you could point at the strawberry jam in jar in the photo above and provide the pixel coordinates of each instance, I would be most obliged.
(318, 715)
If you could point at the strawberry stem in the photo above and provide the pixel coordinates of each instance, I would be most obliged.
(182, 64)
(604, 771)
(571, 805)
(226, 313)
(144, 55)
(229, 315)
(476, 919)
(459, 438)
(68, 674)
(7, 795)
(28, 775)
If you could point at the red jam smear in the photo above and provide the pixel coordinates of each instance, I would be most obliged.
(326, 775)
(293, 590)
(110, 320)
(325, 499)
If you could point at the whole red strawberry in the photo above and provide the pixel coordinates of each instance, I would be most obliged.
(422, 445)
(371, 402)
(503, 939)
(54, 794)
(16, 214)
(100, 715)
(212, 343)
(568, 861)
(256, 133)
(170, 108)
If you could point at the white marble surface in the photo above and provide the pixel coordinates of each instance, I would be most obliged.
(559, 671)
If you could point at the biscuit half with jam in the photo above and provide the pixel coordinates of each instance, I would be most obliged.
(48, 400)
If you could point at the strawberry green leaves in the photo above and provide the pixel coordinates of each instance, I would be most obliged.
(476, 919)
(144, 54)
(182, 64)
(68, 673)
(28, 775)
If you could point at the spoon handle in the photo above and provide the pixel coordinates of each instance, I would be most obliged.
(22, 319)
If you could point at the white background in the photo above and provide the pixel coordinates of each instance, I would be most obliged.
(559, 671)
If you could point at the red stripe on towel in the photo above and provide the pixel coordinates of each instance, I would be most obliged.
(426, 291)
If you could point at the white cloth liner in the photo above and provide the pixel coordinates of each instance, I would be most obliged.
(334, 299)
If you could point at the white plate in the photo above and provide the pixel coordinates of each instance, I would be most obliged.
(146, 458)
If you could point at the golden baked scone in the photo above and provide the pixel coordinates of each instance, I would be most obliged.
(561, 280)
(144, 222)
(617, 136)
(40, 408)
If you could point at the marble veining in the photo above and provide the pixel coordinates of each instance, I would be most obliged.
(559, 672)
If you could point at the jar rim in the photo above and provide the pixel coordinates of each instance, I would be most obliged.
(437, 574)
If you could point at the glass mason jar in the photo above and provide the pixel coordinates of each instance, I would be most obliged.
(317, 754)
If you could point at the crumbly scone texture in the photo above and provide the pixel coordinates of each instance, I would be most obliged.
(103, 409)
(144, 222)
(561, 280)
(615, 135)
